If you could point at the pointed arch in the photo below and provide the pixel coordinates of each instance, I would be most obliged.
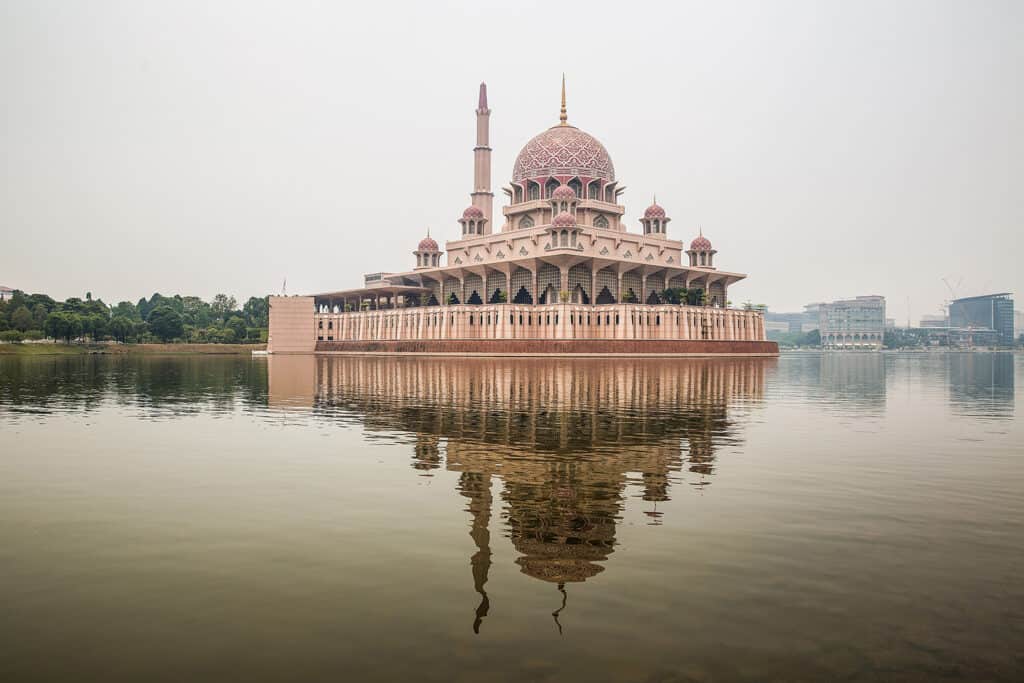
(522, 297)
(550, 186)
(549, 295)
(605, 297)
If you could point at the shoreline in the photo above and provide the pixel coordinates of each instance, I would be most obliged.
(61, 349)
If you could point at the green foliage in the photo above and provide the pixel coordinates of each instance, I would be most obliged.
(120, 328)
(222, 306)
(257, 312)
(21, 318)
(12, 336)
(63, 325)
(126, 309)
(674, 295)
(797, 339)
(34, 335)
(237, 326)
(165, 323)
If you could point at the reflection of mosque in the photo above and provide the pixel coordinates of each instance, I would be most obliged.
(566, 438)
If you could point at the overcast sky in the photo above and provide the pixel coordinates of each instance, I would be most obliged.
(827, 149)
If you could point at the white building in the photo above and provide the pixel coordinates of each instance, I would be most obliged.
(853, 324)
(6, 293)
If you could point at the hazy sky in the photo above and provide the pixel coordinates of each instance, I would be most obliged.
(828, 149)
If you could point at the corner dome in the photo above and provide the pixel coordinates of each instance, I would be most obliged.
(654, 211)
(427, 244)
(702, 243)
(473, 212)
(563, 151)
(564, 220)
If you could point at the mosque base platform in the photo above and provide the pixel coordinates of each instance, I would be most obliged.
(552, 347)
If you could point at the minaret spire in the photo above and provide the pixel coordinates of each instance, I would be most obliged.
(482, 196)
(563, 117)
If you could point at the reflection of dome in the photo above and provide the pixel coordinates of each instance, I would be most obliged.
(654, 211)
(563, 192)
(564, 220)
(700, 244)
(428, 244)
(563, 150)
(473, 212)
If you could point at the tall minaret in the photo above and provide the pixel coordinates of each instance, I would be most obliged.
(483, 198)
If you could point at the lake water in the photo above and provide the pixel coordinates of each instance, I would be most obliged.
(813, 517)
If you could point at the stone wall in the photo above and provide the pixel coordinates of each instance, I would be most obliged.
(291, 325)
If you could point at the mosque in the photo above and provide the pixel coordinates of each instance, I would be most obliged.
(560, 275)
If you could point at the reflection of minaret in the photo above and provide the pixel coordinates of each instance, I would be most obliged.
(477, 487)
(483, 198)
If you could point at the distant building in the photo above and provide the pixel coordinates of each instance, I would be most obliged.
(853, 324)
(934, 321)
(1018, 324)
(977, 315)
(6, 293)
(890, 323)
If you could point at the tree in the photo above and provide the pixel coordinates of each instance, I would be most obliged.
(256, 311)
(165, 323)
(126, 309)
(237, 326)
(39, 314)
(223, 305)
(63, 325)
(21, 318)
(120, 327)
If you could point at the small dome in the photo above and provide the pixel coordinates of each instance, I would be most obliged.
(427, 244)
(654, 211)
(564, 220)
(473, 212)
(700, 244)
(563, 192)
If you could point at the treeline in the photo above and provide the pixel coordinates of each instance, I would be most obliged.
(160, 318)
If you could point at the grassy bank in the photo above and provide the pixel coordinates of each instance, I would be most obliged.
(114, 349)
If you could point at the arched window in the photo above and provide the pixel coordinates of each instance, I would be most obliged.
(572, 238)
(703, 259)
(565, 238)
(517, 194)
(594, 190)
(576, 186)
(550, 187)
(532, 191)
(526, 222)
(600, 221)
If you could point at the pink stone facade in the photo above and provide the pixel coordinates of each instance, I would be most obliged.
(561, 267)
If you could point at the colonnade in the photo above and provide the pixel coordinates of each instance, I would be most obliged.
(555, 321)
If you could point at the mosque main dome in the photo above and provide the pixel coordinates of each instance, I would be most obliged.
(563, 150)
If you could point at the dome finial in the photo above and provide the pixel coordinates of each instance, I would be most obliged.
(563, 117)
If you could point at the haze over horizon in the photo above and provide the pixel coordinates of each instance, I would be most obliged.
(827, 149)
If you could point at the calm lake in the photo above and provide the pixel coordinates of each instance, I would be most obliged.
(813, 517)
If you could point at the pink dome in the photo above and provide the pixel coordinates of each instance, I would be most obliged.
(473, 212)
(700, 244)
(427, 244)
(563, 192)
(564, 220)
(563, 150)
(654, 211)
